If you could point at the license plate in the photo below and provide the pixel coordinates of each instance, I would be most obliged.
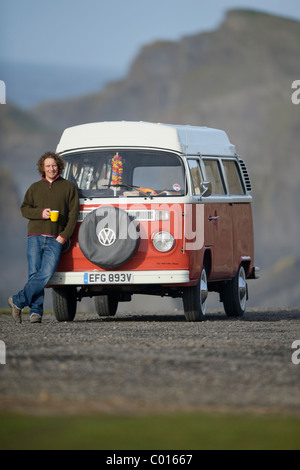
(108, 278)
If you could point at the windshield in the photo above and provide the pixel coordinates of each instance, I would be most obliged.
(129, 173)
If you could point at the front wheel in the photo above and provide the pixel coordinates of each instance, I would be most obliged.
(64, 303)
(235, 294)
(195, 299)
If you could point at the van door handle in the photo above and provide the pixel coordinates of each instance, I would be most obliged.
(213, 218)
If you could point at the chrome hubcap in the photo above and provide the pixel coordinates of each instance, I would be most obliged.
(242, 288)
(203, 291)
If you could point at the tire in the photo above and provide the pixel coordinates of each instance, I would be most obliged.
(106, 305)
(235, 294)
(195, 299)
(64, 303)
(108, 237)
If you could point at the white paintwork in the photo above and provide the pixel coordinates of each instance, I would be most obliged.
(187, 140)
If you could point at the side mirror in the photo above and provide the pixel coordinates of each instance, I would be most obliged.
(205, 188)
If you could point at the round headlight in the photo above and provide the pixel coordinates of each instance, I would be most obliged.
(163, 241)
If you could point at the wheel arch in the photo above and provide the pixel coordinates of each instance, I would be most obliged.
(207, 261)
(246, 263)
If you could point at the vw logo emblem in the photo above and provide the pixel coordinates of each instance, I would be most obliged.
(107, 237)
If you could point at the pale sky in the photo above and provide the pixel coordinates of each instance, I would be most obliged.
(110, 33)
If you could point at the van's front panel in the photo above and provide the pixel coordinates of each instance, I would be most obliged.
(149, 255)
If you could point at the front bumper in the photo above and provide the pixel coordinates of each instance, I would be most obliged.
(83, 278)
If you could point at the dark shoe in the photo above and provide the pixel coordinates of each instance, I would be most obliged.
(35, 318)
(15, 311)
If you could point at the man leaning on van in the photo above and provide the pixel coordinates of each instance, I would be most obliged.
(46, 237)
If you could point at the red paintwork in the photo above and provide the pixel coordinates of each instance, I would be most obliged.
(146, 257)
(229, 239)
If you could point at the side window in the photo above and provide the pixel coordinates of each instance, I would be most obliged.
(233, 177)
(196, 175)
(214, 175)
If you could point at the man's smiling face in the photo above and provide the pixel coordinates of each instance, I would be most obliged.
(50, 169)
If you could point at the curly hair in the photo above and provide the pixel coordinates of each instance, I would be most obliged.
(59, 161)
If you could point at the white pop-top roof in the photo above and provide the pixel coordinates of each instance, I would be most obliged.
(188, 140)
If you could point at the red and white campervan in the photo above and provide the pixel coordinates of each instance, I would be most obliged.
(164, 210)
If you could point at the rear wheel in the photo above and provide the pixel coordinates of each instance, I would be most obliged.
(195, 299)
(235, 294)
(106, 305)
(64, 303)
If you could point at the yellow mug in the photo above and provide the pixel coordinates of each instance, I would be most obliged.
(54, 216)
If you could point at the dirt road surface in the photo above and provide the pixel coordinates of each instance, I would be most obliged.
(152, 363)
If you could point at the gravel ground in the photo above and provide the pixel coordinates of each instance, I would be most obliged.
(140, 363)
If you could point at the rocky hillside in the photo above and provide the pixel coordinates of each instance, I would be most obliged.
(181, 81)
(237, 78)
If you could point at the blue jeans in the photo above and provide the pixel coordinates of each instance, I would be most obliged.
(43, 254)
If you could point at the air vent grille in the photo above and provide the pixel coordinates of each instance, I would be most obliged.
(245, 175)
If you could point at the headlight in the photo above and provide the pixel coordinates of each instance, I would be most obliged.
(163, 241)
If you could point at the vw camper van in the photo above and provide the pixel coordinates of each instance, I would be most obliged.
(164, 210)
